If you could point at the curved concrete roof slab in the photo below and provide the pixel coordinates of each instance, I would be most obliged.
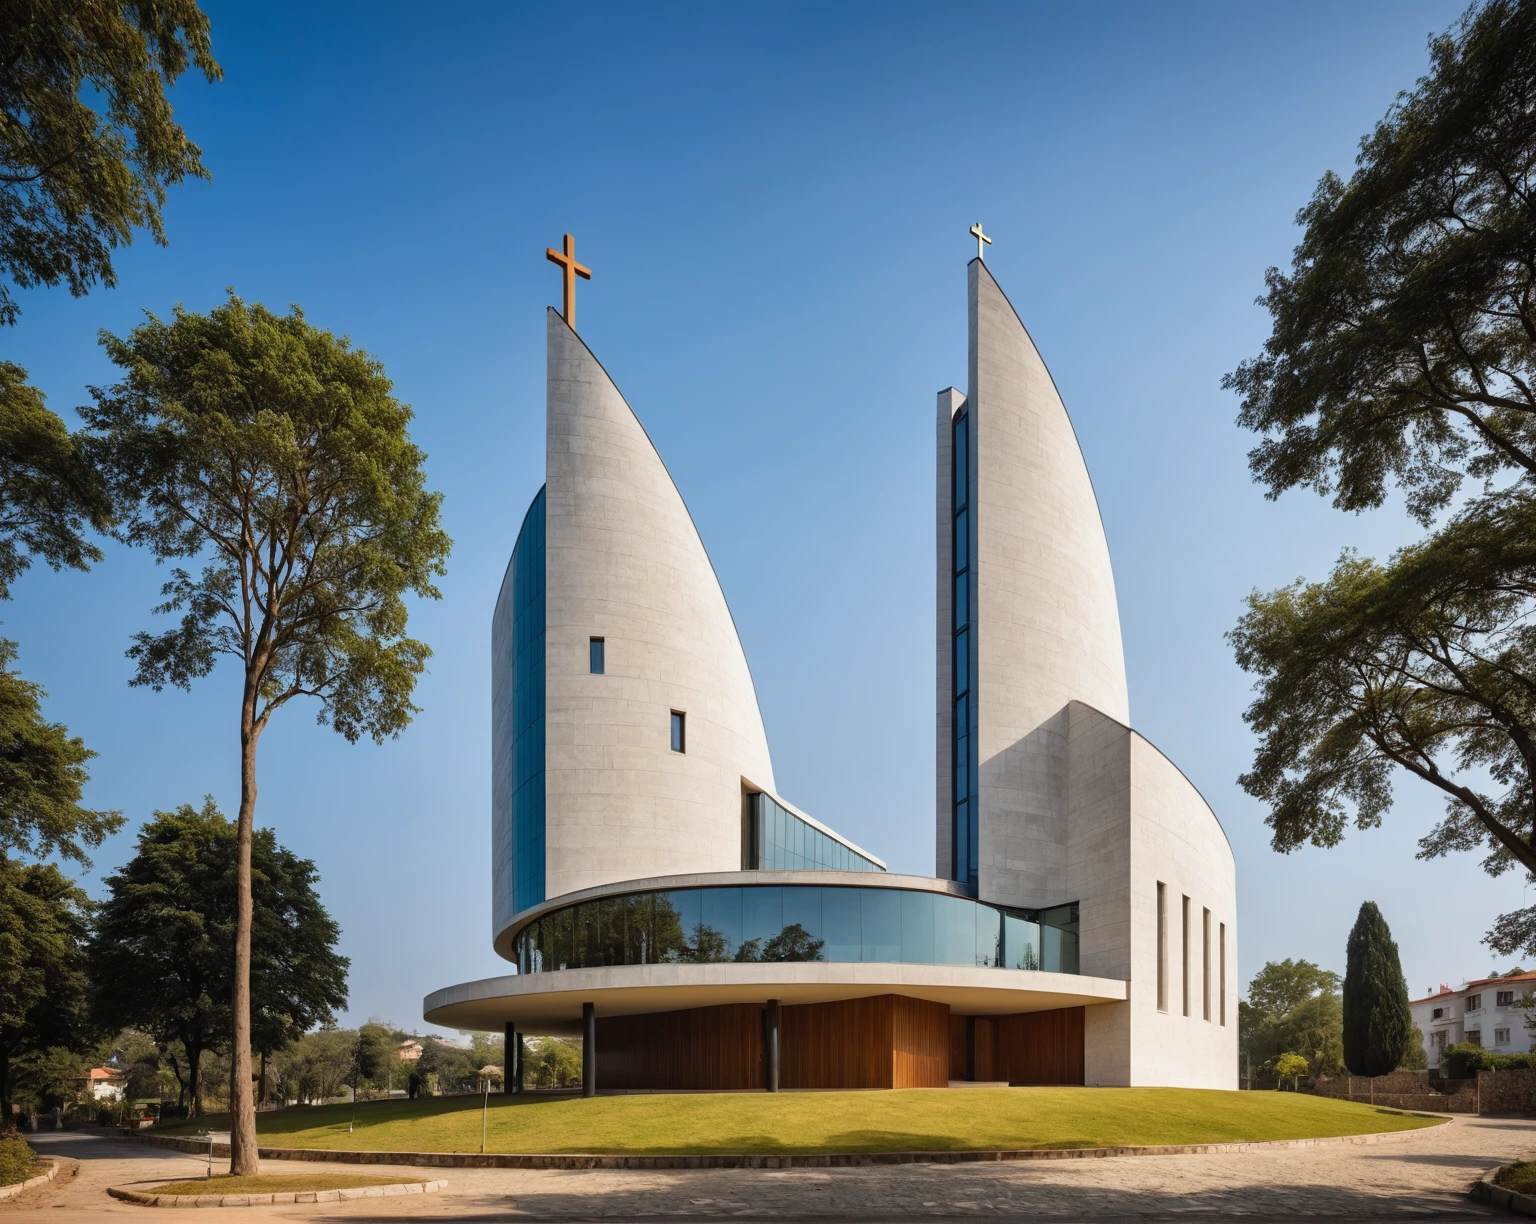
(552, 1002)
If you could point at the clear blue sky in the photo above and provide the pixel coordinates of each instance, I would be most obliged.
(774, 201)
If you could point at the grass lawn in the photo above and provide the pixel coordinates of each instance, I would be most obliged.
(1519, 1177)
(910, 1120)
(277, 1183)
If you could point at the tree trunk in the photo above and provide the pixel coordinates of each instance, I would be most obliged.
(195, 1078)
(242, 1106)
(5, 1088)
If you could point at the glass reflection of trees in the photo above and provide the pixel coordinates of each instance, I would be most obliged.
(772, 923)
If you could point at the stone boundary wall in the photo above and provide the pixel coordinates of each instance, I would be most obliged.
(804, 1160)
(1492, 1092)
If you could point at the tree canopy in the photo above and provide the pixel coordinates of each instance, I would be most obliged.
(162, 954)
(42, 776)
(43, 991)
(87, 141)
(1403, 346)
(1378, 1025)
(1280, 987)
(49, 491)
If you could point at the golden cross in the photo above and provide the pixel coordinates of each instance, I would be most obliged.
(572, 270)
(975, 230)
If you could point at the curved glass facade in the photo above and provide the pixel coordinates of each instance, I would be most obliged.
(528, 710)
(774, 839)
(813, 922)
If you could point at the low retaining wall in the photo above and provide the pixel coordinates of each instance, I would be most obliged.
(792, 1160)
(16, 1188)
(1410, 1090)
(148, 1199)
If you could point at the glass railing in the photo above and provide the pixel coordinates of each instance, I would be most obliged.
(774, 839)
(834, 923)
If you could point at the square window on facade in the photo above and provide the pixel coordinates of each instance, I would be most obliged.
(1475, 1036)
(1504, 998)
(1474, 1002)
(595, 656)
(1439, 1014)
(1500, 1036)
(679, 737)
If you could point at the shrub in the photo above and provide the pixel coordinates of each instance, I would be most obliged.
(16, 1159)
(169, 1110)
(1378, 1026)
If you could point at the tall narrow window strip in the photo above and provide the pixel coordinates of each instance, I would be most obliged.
(1162, 946)
(595, 656)
(679, 731)
(1221, 953)
(1184, 975)
(964, 812)
(1205, 963)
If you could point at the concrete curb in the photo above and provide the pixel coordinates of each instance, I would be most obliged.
(1486, 1192)
(266, 1200)
(12, 1190)
(788, 1160)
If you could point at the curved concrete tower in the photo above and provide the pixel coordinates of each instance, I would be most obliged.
(623, 562)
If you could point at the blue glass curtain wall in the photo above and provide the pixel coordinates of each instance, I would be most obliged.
(966, 813)
(528, 710)
(775, 839)
(797, 923)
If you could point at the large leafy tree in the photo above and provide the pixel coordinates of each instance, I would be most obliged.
(42, 776)
(1282, 986)
(43, 987)
(49, 493)
(1378, 1026)
(1403, 353)
(1292, 1006)
(87, 142)
(272, 455)
(163, 952)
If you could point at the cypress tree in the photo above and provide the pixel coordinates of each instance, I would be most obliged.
(1378, 1027)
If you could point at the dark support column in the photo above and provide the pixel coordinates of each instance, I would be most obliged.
(518, 1049)
(771, 1038)
(588, 1049)
(508, 1057)
(970, 1048)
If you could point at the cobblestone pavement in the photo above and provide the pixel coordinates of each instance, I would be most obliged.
(1420, 1175)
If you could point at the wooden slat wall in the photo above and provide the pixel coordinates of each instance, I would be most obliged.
(957, 1047)
(847, 1044)
(920, 1049)
(718, 1048)
(1043, 1047)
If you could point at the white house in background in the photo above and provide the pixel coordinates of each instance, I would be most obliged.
(1482, 1012)
(104, 1084)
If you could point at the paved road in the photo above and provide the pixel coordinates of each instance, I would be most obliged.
(1417, 1176)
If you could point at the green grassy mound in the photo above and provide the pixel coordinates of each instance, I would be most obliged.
(912, 1120)
(279, 1183)
(1519, 1177)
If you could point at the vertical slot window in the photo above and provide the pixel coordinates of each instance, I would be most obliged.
(1184, 974)
(1162, 946)
(595, 656)
(1221, 960)
(965, 817)
(1205, 964)
(679, 731)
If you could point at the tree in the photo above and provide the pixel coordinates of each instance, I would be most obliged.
(273, 454)
(1403, 352)
(49, 492)
(1377, 1023)
(42, 776)
(1426, 664)
(79, 173)
(1282, 986)
(1404, 339)
(1291, 1067)
(43, 993)
(163, 952)
(372, 1055)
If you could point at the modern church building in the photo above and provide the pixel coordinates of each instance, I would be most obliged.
(659, 896)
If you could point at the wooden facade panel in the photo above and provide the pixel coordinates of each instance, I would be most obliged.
(719, 1048)
(1043, 1047)
(847, 1044)
(957, 1067)
(920, 1049)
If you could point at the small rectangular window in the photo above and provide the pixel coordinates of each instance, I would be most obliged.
(1500, 1036)
(1221, 952)
(1505, 998)
(1475, 1036)
(1162, 946)
(1184, 975)
(1205, 963)
(595, 656)
(679, 737)
(1439, 1014)
(1474, 1002)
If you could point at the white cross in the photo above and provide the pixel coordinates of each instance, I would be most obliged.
(980, 238)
